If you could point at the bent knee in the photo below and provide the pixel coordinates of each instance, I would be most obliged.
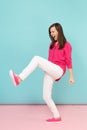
(36, 57)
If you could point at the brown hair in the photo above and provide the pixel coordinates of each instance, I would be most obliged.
(61, 37)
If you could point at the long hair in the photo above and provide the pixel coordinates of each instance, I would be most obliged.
(61, 38)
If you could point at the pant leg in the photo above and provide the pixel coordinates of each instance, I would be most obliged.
(47, 94)
(52, 69)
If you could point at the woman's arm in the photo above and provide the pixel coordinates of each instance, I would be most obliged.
(71, 80)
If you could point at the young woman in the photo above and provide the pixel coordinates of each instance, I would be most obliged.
(59, 57)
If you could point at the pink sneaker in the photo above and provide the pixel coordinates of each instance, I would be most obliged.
(54, 119)
(14, 78)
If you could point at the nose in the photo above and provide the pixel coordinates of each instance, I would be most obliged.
(52, 34)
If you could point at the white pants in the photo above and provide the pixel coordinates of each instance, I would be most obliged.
(52, 72)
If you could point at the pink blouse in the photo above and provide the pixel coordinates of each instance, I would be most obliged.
(61, 57)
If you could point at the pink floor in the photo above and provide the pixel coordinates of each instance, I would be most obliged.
(32, 117)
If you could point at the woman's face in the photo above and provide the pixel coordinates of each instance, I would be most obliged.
(54, 33)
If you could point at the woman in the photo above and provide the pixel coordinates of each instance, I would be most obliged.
(59, 57)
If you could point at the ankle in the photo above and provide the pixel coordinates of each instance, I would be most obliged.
(19, 79)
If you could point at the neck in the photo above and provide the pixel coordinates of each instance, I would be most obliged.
(56, 42)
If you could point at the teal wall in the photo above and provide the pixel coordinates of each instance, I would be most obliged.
(24, 33)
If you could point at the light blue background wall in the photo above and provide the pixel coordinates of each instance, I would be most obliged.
(24, 33)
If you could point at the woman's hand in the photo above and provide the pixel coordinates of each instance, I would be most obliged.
(71, 80)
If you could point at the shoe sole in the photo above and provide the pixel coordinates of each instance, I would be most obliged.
(12, 77)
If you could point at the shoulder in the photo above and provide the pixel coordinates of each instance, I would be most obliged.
(68, 45)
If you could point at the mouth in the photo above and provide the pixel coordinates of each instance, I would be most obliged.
(54, 37)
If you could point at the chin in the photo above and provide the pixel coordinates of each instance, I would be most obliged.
(55, 40)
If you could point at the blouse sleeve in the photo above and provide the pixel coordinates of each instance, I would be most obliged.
(68, 55)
